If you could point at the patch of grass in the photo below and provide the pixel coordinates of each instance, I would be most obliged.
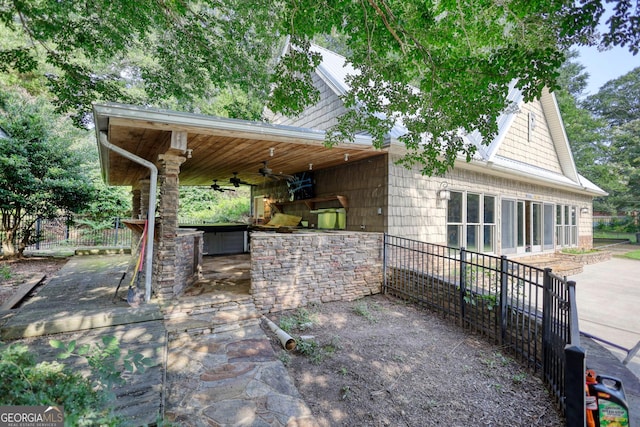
(578, 251)
(633, 255)
(614, 235)
(345, 391)
(363, 309)
(496, 359)
(398, 358)
(300, 320)
(333, 346)
(287, 323)
(285, 358)
(343, 371)
(519, 378)
(5, 272)
(311, 349)
(316, 352)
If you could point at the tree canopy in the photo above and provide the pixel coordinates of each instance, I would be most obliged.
(40, 175)
(460, 56)
(603, 130)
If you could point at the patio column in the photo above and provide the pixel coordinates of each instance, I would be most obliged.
(143, 184)
(164, 271)
(135, 202)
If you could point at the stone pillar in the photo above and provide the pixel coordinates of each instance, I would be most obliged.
(135, 202)
(164, 269)
(143, 201)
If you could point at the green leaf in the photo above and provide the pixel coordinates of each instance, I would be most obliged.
(56, 343)
(83, 349)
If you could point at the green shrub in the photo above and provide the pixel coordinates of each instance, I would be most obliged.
(25, 382)
(85, 400)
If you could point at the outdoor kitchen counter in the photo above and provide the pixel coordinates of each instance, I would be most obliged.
(222, 238)
(302, 266)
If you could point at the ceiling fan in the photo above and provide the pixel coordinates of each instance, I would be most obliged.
(267, 172)
(217, 187)
(237, 181)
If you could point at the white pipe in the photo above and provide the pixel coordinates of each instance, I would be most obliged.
(151, 213)
(286, 340)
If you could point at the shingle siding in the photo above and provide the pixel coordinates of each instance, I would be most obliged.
(322, 115)
(536, 148)
(417, 213)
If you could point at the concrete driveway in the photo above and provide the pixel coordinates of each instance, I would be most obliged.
(608, 297)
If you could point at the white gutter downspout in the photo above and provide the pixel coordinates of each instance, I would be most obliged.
(151, 217)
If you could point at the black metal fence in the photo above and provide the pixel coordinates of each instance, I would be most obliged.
(66, 231)
(527, 310)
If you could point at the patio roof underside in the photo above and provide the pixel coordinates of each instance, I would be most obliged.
(219, 153)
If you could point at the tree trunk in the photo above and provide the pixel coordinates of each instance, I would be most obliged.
(8, 248)
(26, 240)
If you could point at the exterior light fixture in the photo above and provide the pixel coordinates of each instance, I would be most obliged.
(310, 166)
(584, 210)
(271, 151)
(443, 193)
(346, 157)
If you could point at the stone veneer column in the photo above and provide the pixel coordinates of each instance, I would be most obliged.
(135, 202)
(164, 270)
(144, 186)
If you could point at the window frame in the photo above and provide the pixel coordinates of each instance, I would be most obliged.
(459, 232)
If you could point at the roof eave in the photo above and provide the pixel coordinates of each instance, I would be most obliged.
(514, 174)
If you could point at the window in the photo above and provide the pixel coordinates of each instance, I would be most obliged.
(258, 208)
(454, 220)
(566, 226)
(471, 221)
(489, 225)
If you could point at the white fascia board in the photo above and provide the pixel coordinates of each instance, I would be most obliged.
(192, 121)
(544, 179)
(559, 134)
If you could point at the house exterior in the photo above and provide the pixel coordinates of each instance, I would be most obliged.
(521, 194)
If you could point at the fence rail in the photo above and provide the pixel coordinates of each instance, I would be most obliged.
(66, 231)
(527, 310)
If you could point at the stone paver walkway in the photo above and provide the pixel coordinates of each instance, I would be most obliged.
(231, 378)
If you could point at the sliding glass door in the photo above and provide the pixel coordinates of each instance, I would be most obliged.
(527, 226)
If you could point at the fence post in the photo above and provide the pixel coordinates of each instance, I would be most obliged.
(38, 230)
(504, 286)
(385, 242)
(463, 283)
(575, 366)
(66, 227)
(546, 322)
(574, 384)
(117, 228)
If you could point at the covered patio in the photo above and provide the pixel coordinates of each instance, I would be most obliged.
(156, 151)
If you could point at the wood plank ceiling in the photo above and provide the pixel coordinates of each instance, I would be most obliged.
(219, 154)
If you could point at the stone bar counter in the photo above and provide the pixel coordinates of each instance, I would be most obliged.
(290, 270)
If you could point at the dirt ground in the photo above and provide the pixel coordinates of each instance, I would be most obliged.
(15, 272)
(381, 362)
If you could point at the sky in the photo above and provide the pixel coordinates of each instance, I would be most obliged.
(605, 66)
